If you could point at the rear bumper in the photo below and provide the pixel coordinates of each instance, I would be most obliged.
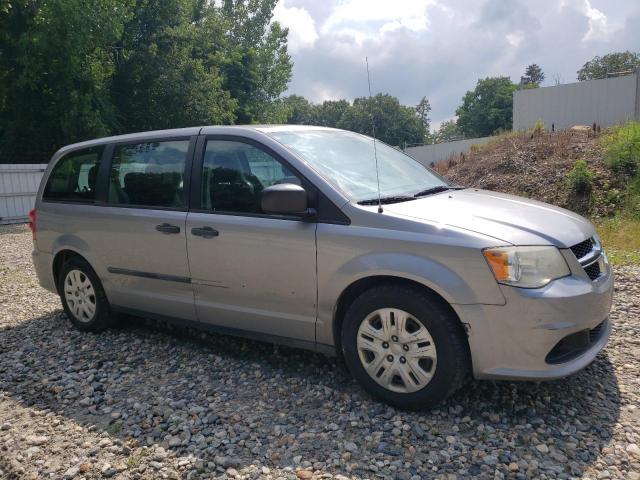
(43, 265)
(513, 341)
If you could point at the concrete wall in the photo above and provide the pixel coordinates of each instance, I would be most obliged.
(605, 102)
(18, 187)
(439, 152)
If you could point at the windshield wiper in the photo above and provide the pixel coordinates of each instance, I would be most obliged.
(438, 189)
(386, 200)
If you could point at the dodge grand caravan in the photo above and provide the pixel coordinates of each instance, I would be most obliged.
(290, 234)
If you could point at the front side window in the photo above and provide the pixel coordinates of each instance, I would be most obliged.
(74, 177)
(347, 161)
(234, 175)
(149, 174)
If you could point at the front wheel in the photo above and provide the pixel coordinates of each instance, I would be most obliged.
(83, 297)
(404, 346)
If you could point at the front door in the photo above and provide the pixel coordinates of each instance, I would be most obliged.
(250, 271)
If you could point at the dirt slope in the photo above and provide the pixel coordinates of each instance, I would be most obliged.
(536, 166)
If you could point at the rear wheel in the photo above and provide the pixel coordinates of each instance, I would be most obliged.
(404, 346)
(83, 297)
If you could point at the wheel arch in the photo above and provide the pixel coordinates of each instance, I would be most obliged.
(59, 260)
(358, 287)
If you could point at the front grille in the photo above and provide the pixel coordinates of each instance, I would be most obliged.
(588, 253)
(582, 249)
(574, 345)
(593, 270)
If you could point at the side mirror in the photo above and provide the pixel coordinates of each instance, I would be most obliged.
(285, 199)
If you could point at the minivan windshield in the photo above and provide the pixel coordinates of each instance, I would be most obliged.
(347, 161)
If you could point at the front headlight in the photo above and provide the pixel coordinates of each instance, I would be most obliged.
(526, 267)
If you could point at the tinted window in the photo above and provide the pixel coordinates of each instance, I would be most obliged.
(234, 175)
(74, 176)
(149, 174)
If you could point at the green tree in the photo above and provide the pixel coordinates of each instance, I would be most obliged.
(533, 76)
(395, 124)
(255, 63)
(422, 111)
(609, 65)
(161, 81)
(56, 64)
(329, 113)
(448, 132)
(77, 69)
(488, 108)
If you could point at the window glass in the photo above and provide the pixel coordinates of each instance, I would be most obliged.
(347, 160)
(234, 175)
(149, 174)
(74, 177)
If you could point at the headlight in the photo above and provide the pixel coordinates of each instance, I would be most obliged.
(527, 267)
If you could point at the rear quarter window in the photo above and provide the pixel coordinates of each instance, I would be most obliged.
(74, 177)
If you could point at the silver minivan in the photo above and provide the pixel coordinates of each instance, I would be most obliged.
(291, 234)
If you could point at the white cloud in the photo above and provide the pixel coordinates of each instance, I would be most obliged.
(409, 14)
(302, 28)
(599, 28)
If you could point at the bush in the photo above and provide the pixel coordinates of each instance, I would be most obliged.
(539, 128)
(580, 178)
(622, 147)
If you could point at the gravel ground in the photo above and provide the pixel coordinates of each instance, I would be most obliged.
(148, 401)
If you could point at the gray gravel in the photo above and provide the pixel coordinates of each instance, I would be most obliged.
(149, 401)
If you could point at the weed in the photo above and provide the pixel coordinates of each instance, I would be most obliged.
(622, 147)
(580, 178)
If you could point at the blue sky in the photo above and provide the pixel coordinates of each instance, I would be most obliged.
(439, 48)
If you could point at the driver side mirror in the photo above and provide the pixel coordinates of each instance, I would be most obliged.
(285, 199)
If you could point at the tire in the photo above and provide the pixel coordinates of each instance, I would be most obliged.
(83, 297)
(432, 344)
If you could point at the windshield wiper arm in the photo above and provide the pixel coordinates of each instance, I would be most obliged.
(438, 189)
(386, 200)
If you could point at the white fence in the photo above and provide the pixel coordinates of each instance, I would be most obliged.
(439, 152)
(605, 102)
(18, 187)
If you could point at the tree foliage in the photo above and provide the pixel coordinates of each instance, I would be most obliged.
(533, 76)
(488, 108)
(609, 65)
(78, 69)
(395, 124)
(448, 132)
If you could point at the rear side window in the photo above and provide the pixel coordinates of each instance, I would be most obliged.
(149, 174)
(73, 179)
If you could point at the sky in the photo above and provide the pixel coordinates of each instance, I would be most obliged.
(439, 48)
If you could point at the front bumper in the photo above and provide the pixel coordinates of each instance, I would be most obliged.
(513, 341)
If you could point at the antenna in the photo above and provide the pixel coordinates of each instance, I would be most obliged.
(373, 126)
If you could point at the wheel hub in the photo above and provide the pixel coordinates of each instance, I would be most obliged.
(80, 295)
(396, 350)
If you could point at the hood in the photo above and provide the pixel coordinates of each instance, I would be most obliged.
(514, 220)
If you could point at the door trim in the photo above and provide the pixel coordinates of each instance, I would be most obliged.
(154, 276)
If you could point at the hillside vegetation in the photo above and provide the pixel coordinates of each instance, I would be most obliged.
(594, 174)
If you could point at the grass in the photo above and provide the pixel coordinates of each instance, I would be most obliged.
(621, 239)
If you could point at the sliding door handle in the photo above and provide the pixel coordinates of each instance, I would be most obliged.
(167, 228)
(206, 232)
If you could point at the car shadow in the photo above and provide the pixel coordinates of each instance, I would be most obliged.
(154, 376)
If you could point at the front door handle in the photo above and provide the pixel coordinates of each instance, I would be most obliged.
(206, 232)
(167, 228)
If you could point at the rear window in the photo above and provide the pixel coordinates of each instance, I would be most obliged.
(149, 174)
(73, 179)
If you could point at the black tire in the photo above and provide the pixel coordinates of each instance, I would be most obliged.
(103, 318)
(453, 362)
